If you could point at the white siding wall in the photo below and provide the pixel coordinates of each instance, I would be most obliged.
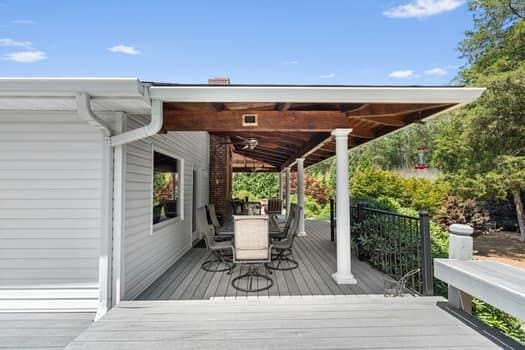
(50, 211)
(147, 255)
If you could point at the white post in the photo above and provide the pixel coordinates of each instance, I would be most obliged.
(300, 195)
(280, 184)
(287, 192)
(344, 253)
(460, 247)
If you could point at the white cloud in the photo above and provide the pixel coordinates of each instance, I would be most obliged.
(294, 62)
(26, 56)
(22, 21)
(401, 74)
(436, 72)
(14, 43)
(423, 8)
(327, 76)
(125, 49)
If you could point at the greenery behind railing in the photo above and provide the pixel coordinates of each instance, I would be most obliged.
(391, 242)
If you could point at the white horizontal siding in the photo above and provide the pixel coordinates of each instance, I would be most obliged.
(50, 212)
(146, 256)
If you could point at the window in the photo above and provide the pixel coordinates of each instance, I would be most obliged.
(166, 187)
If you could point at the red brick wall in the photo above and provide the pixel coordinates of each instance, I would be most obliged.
(220, 175)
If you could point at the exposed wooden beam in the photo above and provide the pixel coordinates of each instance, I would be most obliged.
(218, 107)
(315, 142)
(260, 157)
(256, 169)
(283, 106)
(259, 151)
(392, 109)
(268, 121)
(360, 130)
(384, 120)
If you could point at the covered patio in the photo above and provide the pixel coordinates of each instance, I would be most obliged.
(315, 254)
(286, 129)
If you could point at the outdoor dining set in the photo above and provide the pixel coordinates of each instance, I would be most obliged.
(251, 239)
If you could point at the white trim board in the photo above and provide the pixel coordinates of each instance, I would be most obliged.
(317, 94)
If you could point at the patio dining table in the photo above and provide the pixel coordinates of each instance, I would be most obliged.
(227, 228)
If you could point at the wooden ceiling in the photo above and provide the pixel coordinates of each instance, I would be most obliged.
(287, 131)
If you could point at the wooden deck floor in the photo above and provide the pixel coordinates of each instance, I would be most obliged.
(315, 322)
(317, 261)
(42, 330)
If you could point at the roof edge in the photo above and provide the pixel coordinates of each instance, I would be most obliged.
(66, 87)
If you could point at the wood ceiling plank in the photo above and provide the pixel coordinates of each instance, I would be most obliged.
(392, 109)
(268, 121)
(260, 157)
(384, 120)
(316, 141)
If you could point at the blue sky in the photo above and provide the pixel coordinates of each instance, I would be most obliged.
(298, 42)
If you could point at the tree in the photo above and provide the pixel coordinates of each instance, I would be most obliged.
(483, 150)
(255, 185)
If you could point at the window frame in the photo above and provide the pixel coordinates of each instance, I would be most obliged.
(180, 167)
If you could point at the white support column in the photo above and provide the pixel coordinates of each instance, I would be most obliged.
(300, 195)
(280, 184)
(460, 247)
(287, 192)
(344, 252)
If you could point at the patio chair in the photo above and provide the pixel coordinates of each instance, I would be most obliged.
(212, 216)
(397, 288)
(276, 232)
(218, 262)
(274, 206)
(282, 254)
(252, 249)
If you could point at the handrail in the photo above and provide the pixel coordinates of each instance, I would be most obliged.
(388, 212)
(393, 243)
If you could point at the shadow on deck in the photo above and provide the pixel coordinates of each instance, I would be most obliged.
(315, 253)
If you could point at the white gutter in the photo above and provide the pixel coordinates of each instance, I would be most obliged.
(85, 112)
(317, 94)
(148, 130)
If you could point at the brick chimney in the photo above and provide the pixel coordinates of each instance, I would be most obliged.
(220, 177)
(219, 81)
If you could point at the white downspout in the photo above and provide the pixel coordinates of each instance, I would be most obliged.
(148, 130)
(85, 112)
(105, 267)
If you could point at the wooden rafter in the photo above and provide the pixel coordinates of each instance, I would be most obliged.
(287, 131)
(316, 141)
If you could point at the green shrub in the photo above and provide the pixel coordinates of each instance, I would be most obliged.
(381, 202)
(395, 191)
(375, 183)
(496, 318)
(456, 210)
(422, 194)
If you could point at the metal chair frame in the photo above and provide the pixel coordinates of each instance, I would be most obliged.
(283, 249)
(253, 267)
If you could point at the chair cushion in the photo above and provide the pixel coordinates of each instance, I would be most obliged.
(251, 254)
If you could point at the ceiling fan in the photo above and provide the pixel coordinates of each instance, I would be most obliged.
(247, 143)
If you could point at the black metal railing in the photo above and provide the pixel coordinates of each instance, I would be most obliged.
(393, 243)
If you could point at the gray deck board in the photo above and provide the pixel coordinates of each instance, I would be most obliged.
(41, 330)
(315, 322)
(317, 261)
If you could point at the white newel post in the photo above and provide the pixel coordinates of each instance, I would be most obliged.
(344, 260)
(460, 247)
(287, 192)
(300, 195)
